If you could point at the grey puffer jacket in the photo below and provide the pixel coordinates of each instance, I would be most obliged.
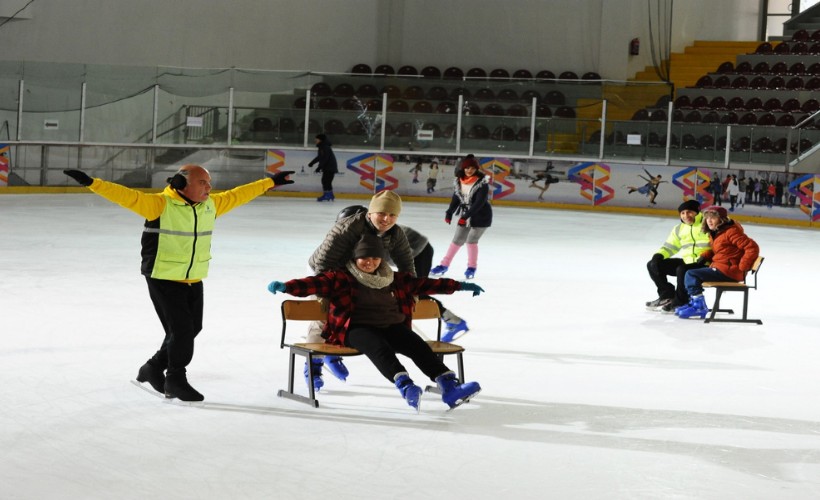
(337, 248)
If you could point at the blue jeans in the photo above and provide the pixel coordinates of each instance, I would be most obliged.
(694, 277)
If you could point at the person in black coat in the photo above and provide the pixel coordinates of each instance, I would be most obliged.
(327, 166)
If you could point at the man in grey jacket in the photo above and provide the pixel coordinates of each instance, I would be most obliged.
(337, 249)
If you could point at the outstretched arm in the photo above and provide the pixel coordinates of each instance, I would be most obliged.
(148, 205)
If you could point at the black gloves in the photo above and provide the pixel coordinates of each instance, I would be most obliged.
(657, 258)
(280, 178)
(81, 177)
(702, 261)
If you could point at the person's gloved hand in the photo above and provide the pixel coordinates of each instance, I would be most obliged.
(447, 219)
(280, 178)
(472, 287)
(276, 286)
(462, 222)
(81, 177)
(702, 261)
(654, 263)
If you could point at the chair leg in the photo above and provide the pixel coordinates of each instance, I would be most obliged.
(745, 302)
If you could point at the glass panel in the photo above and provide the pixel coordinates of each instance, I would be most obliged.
(208, 118)
(51, 102)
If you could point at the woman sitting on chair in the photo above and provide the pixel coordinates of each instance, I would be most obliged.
(732, 255)
(370, 309)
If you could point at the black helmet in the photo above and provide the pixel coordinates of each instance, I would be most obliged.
(351, 210)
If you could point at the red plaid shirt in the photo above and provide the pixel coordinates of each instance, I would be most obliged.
(341, 289)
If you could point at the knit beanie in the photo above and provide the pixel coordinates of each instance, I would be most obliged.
(369, 245)
(386, 202)
(722, 213)
(689, 205)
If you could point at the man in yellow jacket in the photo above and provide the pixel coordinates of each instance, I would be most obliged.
(687, 241)
(176, 250)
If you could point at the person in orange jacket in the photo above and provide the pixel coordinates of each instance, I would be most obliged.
(731, 256)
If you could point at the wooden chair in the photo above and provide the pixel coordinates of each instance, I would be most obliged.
(731, 286)
(311, 310)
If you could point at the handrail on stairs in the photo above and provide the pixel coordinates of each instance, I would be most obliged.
(800, 155)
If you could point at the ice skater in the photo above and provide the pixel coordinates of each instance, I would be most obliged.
(370, 309)
(335, 251)
(650, 188)
(176, 252)
(327, 166)
(471, 203)
(455, 326)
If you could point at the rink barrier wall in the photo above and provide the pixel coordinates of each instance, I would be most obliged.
(627, 188)
(653, 212)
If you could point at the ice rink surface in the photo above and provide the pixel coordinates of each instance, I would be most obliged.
(585, 393)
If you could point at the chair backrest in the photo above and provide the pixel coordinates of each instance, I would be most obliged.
(754, 272)
(300, 310)
(311, 310)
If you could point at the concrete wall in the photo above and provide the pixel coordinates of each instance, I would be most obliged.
(332, 35)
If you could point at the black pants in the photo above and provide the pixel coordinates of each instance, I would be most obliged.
(381, 345)
(671, 267)
(327, 180)
(179, 307)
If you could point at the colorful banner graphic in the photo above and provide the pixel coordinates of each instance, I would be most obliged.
(498, 169)
(275, 159)
(809, 198)
(594, 180)
(374, 171)
(4, 165)
(695, 185)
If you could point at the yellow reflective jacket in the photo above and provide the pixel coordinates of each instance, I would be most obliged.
(689, 241)
(176, 241)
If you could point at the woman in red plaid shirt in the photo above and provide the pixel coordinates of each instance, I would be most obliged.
(370, 309)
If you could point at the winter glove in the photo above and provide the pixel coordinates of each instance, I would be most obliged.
(447, 220)
(276, 286)
(462, 222)
(657, 258)
(280, 178)
(471, 287)
(81, 177)
(702, 261)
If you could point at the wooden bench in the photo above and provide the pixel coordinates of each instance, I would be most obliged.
(311, 310)
(732, 286)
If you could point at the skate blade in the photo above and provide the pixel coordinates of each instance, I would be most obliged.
(463, 401)
(456, 336)
(166, 399)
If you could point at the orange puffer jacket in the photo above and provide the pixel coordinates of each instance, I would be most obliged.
(733, 253)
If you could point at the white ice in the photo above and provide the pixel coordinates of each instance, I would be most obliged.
(585, 394)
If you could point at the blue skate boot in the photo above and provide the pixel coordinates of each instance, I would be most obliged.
(454, 329)
(438, 270)
(696, 308)
(454, 394)
(336, 367)
(326, 196)
(469, 273)
(409, 391)
(318, 383)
